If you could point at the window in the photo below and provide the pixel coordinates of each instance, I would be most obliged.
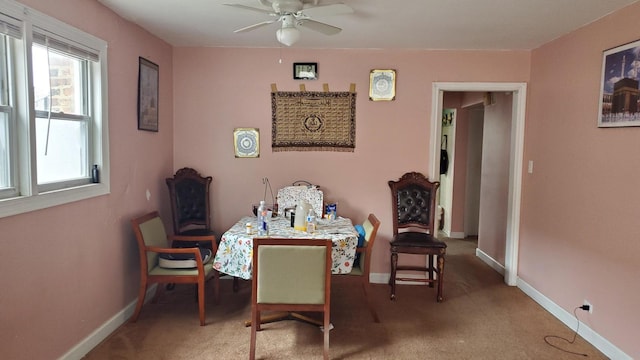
(52, 136)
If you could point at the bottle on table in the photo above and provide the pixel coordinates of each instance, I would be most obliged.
(311, 221)
(263, 225)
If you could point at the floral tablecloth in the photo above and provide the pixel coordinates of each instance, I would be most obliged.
(235, 252)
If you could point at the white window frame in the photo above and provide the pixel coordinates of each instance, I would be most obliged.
(32, 197)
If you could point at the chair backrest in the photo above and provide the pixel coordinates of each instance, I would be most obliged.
(292, 272)
(189, 194)
(413, 202)
(289, 196)
(370, 225)
(149, 230)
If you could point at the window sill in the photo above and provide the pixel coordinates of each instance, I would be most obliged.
(24, 204)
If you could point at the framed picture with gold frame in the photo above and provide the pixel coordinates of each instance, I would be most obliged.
(382, 85)
(246, 142)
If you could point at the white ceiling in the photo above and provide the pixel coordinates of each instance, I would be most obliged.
(375, 24)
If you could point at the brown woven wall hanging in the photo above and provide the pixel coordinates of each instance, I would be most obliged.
(313, 121)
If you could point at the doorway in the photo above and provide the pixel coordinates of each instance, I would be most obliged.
(515, 157)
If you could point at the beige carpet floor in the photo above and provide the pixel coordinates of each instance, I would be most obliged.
(480, 318)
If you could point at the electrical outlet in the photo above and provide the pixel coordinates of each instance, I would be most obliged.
(586, 302)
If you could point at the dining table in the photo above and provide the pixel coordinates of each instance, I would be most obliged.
(235, 251)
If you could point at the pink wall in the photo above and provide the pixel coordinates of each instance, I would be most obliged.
(579, 232)
(460, 171)
(214, 94)
(66, 270)
(494, 183)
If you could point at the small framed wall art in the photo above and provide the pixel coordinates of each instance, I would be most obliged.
(382, 85)
(147, 95)
(620, 87)
(305, 71)
(246, 142)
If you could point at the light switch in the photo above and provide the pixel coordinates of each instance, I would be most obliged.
(530, 167)
(148, 195)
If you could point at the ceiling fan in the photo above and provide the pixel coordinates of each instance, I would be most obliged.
(294, 13)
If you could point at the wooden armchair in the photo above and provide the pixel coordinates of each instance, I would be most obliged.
(153, 241)
(362, 267)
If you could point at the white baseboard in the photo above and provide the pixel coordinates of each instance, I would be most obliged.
(595, 339)
(490, 261)
(567, 318)
(379, 278)
(101, 333)
(457, 235)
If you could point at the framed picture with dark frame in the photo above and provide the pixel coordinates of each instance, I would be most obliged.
(148, 74)
(305, 71)
(619, 90)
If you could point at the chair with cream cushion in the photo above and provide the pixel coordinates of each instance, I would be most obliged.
(362, 267)
(290, 275)
(152, 242)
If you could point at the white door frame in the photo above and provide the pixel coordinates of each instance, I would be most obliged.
(515, 161)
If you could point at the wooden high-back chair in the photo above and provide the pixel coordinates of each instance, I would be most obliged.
(191, 208)
(190, 204)
(413, 211)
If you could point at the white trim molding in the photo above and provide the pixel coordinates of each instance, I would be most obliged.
(595, 339)
(519, 91)
(98, 335)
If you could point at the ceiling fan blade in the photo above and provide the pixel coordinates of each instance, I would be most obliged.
(319, 27)
(254, 26)
(326, 10)
(251, 8)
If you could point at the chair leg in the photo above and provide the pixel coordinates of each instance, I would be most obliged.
(365, 289)
(216, 287)
(255, 325)
(392, 279)
(327, 330)
(431, 270)
(440, 277)
(159, 292)
(142, 291)
(201, 300)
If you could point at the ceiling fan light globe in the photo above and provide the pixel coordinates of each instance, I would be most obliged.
(288, 35)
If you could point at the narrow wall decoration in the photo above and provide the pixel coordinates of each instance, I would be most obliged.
(147, 95)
